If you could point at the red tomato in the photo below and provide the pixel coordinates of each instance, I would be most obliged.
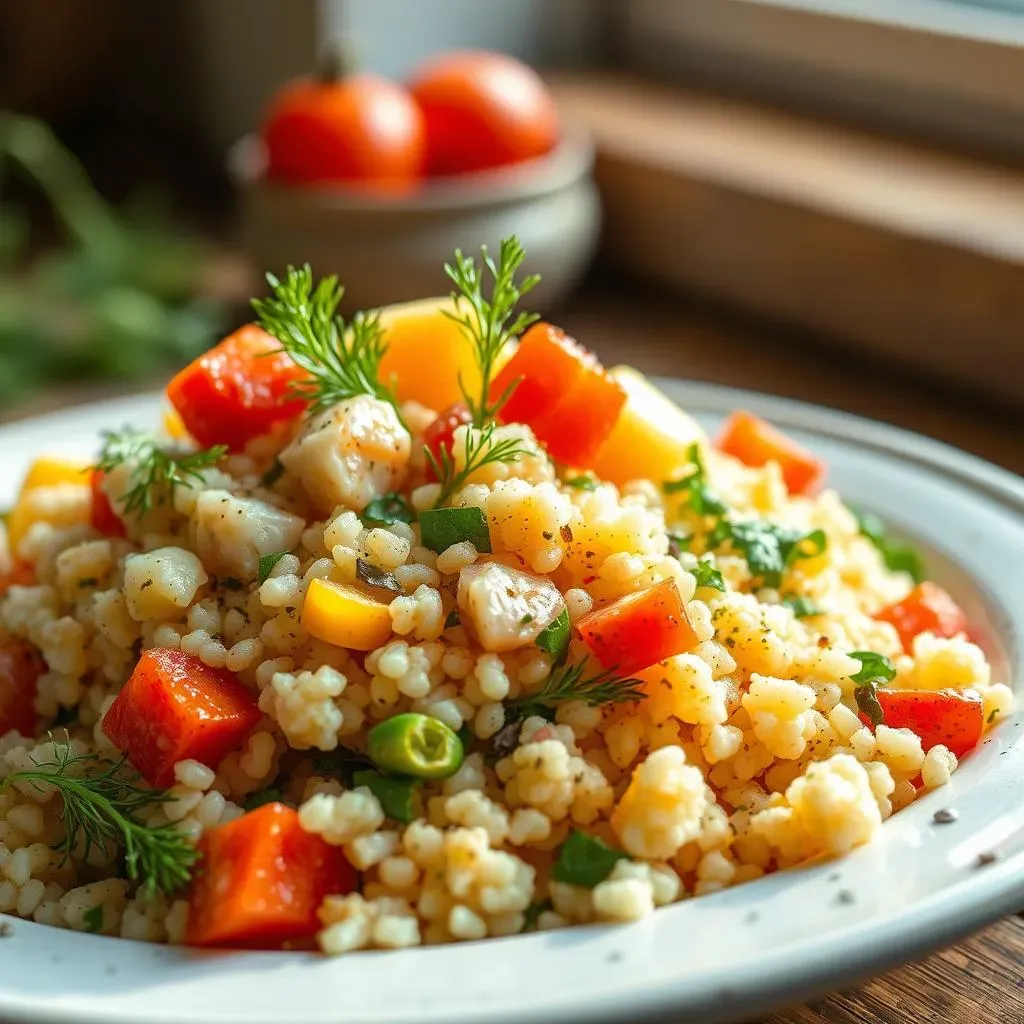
(483, 110)
(439, 435)
(104, 519)
(261, 880)
(176, 708)
(953, 718)
(755, 442)
(640, 629)
(561, 392)
(20, 668)
(926, 609)
(344, 128)
(236, 391)
(21, 574)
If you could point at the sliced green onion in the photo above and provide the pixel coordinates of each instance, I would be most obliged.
(397, 795)
(267, 563)
(554, 637)
(416, 745)
(585, 860)
(440, 528)
(391, 508)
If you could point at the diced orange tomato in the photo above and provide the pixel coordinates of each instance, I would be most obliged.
(20, 668)
(926, 609)
(755, 443)
(637, 630)
(651, 436)
(438, 437)
(562, 393)
(260, 881)
(104, 519)
(236, 391)
(954, 718)
(176, 708)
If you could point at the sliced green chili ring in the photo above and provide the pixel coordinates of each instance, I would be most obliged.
(554, 637)
(415, 745)
(397, 794)
(440, 528)
(585, 860)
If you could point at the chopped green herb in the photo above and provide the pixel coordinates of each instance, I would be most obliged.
(262, 797)
(568, 683)
(898, 555)
(533, 912)
(708, 576)
(380, 578)
(440, 528)
(391, 508)
(802, 607)
(479, 449)
(992, 715)
(453, 619)
(770, 549)
(397, 794)
(699, 495)
(581, 483)
(868, 703)
(875, 667)
(554, 637)
(274, 473)
(93, 918)
(678, 543)
(267, 563)
(526, 620)
(585, 860)
(341, 763)
(466, 736)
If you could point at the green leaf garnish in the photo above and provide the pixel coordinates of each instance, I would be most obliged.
(554, 637)
(770, 549)
(707, 575)
(479, 449)
(801, 607)
(93, 918)
(341, 360)
(396, 793)
(267, 563)
(875, 667)
(581, 483)
(866, 696)
(488, 324)
(386, 511)
(699, 495)
(898, 555)
(440, 528)
(152, 468)
(568, 683)
(585, 860)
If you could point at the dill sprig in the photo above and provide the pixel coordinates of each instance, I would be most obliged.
(570, 683)
(101, 806)
(489, 323)
(342, 359)
(153, 467)
(479, 450)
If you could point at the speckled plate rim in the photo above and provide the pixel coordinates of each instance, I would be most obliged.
(721, 958)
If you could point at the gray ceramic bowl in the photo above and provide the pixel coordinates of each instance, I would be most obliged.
(393, 249)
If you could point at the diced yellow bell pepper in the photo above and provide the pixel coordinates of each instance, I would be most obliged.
(650, 437)
(346, 617)
(427, 352)
(44, 472)
(174, 428)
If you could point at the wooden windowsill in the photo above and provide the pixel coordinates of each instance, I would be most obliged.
(895, 249)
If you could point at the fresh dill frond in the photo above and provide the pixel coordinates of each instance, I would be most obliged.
(342, 359)
(570, 683)
(479, 450)
(489, 323)
(101, 805)
(152, 467)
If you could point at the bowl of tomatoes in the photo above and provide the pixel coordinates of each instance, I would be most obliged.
(379, 181)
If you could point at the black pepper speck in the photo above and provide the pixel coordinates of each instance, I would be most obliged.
(945, 816)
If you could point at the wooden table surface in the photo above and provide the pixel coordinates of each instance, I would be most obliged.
(980, 980)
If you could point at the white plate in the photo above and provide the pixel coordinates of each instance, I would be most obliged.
(714, 959)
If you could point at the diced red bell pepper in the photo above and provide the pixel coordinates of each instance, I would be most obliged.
(104, 519)
(640, 629)
(439, 435)
(755, 443)
(236, 391)
(562, 393)
(954, 718)
(21, 574)
(926, 609)
(261, 880)
(176, 708)
(20, 668)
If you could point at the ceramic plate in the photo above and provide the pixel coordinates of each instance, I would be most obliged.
(718, 958)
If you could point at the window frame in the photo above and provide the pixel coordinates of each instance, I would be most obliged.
(931, 68)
